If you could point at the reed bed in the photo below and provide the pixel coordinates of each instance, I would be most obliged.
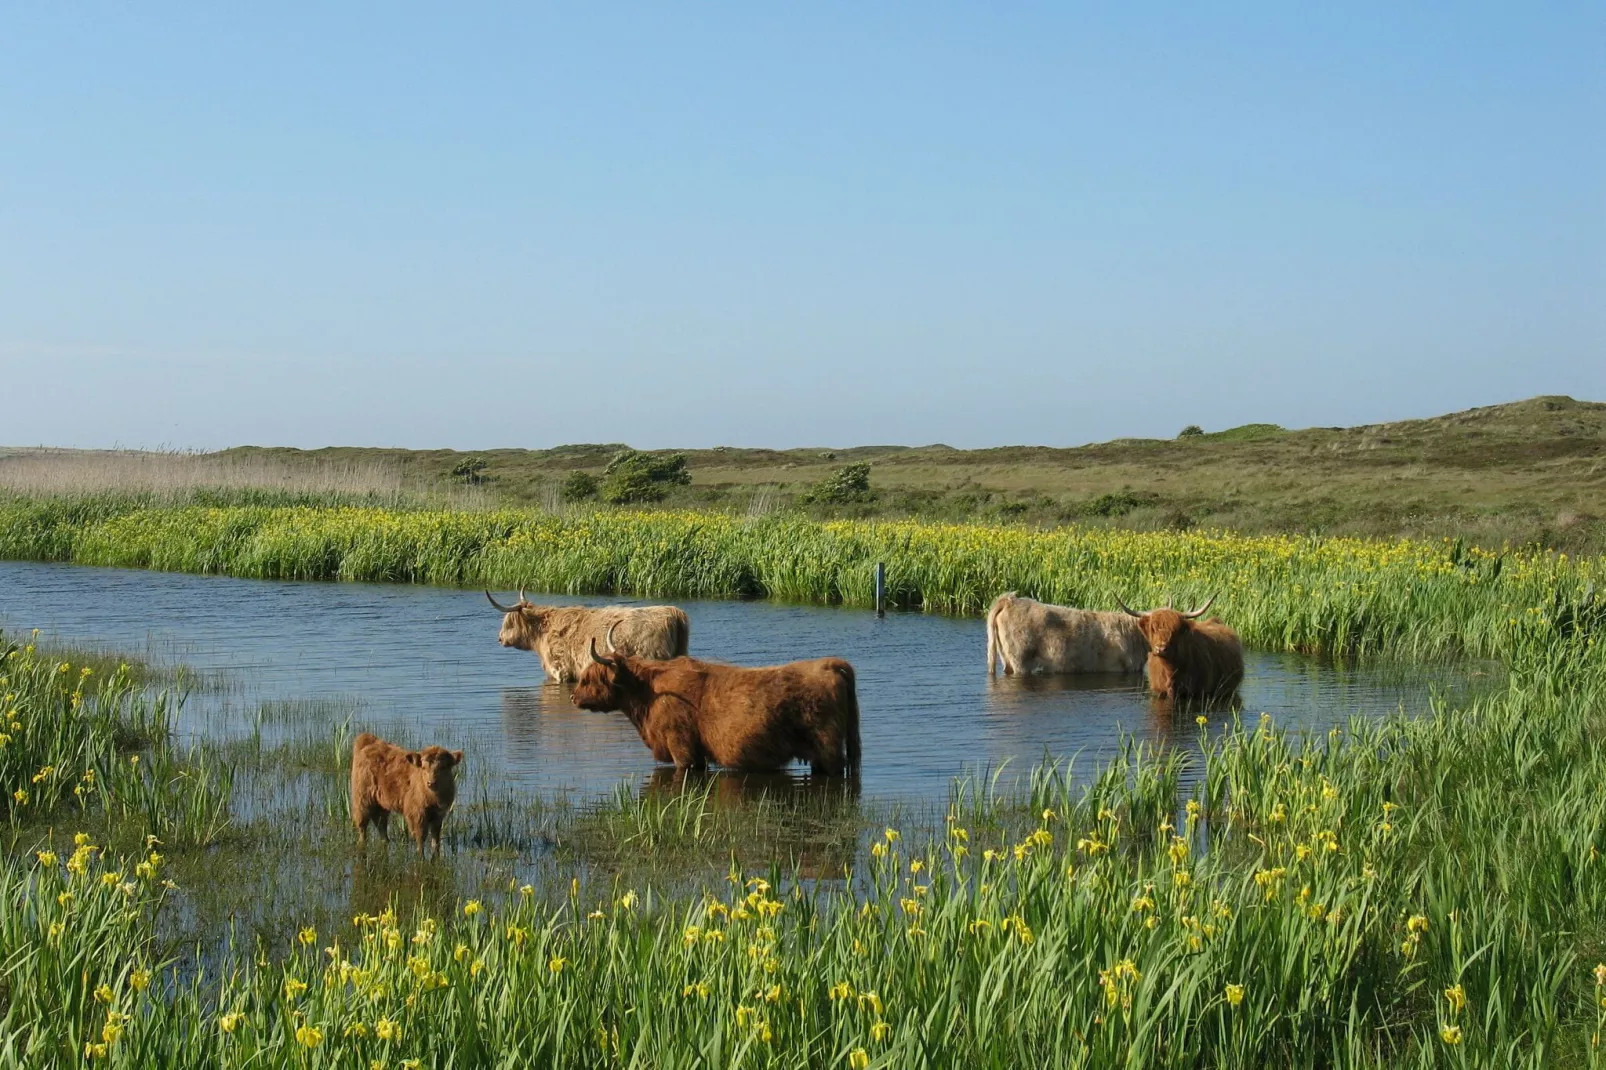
(1413, 600)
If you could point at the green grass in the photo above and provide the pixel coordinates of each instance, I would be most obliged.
(1344, 882)
(1527, 473)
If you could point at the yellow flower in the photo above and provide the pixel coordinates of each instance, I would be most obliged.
(1416, 924)
(556, 965)
(387, 1029)
(892, 835)
(471, 908)
(1451, 1035)
(1235, 994)
(139, 979)
(1600, 975)
(880, 1032)
(858, 1059)
(841, 990)
(21, 795)
(1201, 720)
(309, 1036)
(46, 858)
(81, 839)
(308, 936)
(293, 987)
(916, 866)
(1456, 997)
(104, 993)
(230, 1022)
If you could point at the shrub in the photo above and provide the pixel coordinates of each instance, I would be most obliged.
(470, 470)
(850, 483)
(633, 476)
(1190, 431)
(578, 487)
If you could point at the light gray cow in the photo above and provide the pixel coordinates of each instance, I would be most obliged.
(1027, 636)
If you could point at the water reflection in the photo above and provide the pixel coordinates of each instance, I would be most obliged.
(726, 788)
(423, 663)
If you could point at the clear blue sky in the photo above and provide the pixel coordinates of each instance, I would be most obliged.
(785, 225)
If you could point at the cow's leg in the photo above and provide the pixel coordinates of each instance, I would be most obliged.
(382, 822)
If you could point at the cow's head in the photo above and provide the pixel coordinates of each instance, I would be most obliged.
(437, 763)
(1161, 627)
(603, 684)
(522, 623)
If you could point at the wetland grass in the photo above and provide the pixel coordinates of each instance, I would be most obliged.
(1407, 892)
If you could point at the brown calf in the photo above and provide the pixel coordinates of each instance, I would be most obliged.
(691, 712)
(419, 785)
(561, 634)
(1188, 657)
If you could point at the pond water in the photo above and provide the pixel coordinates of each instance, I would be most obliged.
(423, 663)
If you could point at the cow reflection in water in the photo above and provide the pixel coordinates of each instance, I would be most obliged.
(800, 812)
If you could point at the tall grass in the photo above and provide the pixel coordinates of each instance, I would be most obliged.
(179, 477)
(1406, 893)
(1412, 599)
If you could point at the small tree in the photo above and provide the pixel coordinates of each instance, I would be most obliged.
(633, 476)
(1190, 431)
(850, 483)
(579, 487)
(470, 470)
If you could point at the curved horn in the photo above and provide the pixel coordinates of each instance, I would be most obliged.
(521, 595)
(611, 627)
(1200, 611)
(598, 658)
(1129, 610)
(498, 605)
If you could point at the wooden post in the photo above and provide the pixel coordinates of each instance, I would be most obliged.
(880, 589)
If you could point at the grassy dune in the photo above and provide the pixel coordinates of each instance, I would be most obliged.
(1529, 472)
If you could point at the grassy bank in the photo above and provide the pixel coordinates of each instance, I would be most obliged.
(1527, 473)
(1414, 892)
(1413, 599)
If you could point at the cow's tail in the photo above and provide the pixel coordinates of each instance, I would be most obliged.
(850, 719)
(994, 652)
(680, 635)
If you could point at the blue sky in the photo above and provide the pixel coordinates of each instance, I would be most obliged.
(475, 226)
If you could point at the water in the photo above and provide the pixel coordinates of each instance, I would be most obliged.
(423, 663)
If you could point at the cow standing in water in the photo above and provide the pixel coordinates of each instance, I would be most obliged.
(1028, 636)
(560, 634)
(692, 712)
(1188, 657)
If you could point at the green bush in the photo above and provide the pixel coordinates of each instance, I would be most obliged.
(579, 487)
(633, 476)
(1190, 431)
(850, 483)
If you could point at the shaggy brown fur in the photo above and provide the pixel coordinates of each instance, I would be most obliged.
(561, 634)
(1038, 637)
(1191, 658)
(691, 712)
(419, 785)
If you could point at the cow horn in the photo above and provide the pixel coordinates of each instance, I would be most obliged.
(1129, 610)
(611, 627)
(1200, 611)
(498, 605)
(598, 658)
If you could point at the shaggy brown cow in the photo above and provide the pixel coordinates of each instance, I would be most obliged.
(1188, 657)
(560, 634)
(419, 785)
(1036, 637)
(691, 712)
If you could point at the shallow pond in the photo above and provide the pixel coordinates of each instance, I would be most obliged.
(423, 663)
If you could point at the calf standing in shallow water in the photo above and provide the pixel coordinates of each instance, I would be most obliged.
(419, 785)
(1188, 657)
